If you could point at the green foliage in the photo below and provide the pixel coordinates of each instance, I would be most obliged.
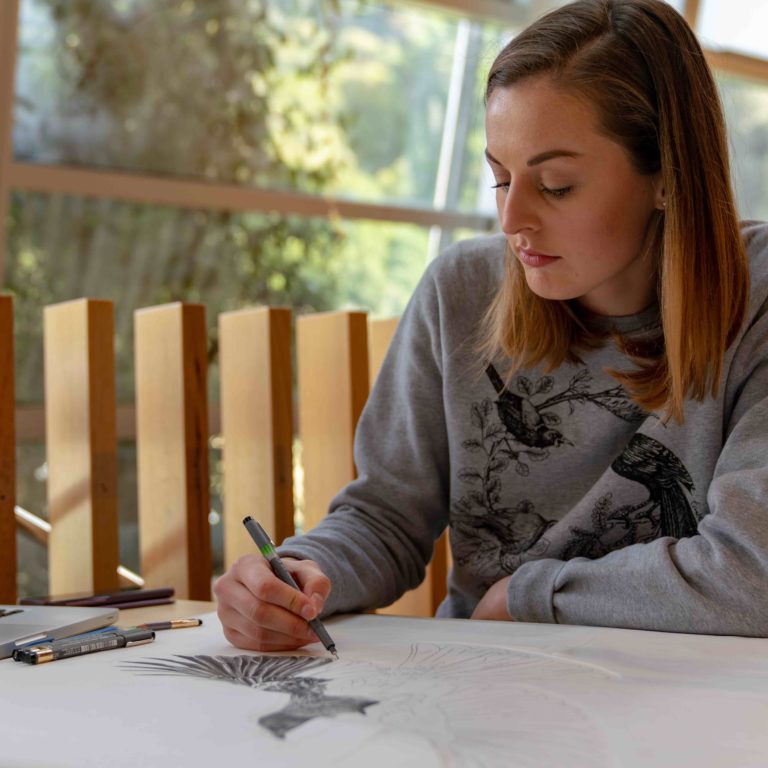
(220, 90)
(319, 96)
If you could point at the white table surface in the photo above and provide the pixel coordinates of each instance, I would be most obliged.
(448, 693)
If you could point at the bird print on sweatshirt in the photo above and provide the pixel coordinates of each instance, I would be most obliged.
(520, 426)
(668, 510)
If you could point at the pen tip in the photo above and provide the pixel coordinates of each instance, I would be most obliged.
(335, 655)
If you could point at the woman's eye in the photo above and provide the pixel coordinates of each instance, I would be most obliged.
(558, 193)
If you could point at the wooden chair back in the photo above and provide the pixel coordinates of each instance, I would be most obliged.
(338, 356)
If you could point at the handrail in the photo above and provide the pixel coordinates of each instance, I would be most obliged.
(40, 530)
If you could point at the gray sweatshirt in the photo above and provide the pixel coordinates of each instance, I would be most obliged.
(602, 513)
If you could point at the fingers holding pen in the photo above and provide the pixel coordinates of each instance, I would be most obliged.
(268, 643)
(312, 582)
(246, 633)
(260, 612)
(256, 575)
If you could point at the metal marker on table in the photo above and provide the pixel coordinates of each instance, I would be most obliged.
(155, 626)
(267, 548)
(83, 644)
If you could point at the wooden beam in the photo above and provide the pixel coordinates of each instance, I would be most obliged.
(495, 11)
(257, 425)
(332, 355)
(691, 12)
(172, 448)
(81, 446)
(9, 23)
(7, 455)
(738, 64)
(182, 193)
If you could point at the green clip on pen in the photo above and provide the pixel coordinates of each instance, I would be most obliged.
(267, 548)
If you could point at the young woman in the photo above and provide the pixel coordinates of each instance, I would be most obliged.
(583, 398)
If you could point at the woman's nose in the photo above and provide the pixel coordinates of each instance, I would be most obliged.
(516, 210)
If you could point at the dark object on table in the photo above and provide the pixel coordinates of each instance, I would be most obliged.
(128, 598)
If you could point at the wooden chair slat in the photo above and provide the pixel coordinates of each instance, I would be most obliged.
(257, 425)
(172, 448)
(81, 446)
(332, 355)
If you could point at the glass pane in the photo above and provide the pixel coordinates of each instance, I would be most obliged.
(341, 96)
(746, 109)
(737, 25)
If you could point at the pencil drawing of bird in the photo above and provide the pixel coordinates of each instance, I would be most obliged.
(449, 704)
(649, 462)
(521, 418)
(275, 674)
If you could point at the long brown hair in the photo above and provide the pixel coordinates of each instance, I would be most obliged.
(641, 67)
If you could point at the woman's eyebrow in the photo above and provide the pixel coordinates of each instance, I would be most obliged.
(540, 158)
(550, 154)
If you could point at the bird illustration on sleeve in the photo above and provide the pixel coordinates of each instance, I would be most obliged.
(649, 462)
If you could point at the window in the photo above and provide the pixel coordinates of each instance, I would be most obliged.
(746, 108)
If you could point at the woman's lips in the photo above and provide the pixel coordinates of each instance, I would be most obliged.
(534, 258)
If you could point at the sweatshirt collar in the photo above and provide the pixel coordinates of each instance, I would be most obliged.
(645, 321)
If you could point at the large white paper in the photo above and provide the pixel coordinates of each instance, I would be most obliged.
(404, 692)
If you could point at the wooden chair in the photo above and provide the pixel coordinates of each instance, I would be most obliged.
(81, 446)
(338, 355)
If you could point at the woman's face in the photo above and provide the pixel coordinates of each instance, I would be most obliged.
(572, 206)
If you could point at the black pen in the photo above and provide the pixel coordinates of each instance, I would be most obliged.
(170, 624)
(267, 548)
(79, 646)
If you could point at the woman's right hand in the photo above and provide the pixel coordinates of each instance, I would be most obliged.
(261, 613)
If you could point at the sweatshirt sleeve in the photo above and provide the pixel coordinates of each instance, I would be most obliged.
(715, 582)
(379, 534)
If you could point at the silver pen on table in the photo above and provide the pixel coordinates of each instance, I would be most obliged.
(267, 548)
(80, 645)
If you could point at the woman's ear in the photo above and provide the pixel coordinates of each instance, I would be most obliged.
(660, 194)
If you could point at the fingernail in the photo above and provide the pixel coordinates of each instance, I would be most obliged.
(318, 600)
(308, 612)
